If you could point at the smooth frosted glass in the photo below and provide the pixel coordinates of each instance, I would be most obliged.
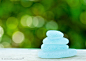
(53, 47)
(55, 41)
(58, 54)
(54, 33)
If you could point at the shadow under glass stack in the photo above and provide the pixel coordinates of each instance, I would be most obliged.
(55, 46)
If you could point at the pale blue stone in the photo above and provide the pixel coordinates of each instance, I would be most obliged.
(58, 54)
(54, 33)
(55, 40)
(54, 47)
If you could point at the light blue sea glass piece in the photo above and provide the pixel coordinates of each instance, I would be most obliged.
(53, 47)
(58, 54)
(54, 33)
(55, 41)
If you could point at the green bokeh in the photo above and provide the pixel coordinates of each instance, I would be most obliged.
(67, 16)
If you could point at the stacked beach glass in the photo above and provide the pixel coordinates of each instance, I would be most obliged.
(55, 46)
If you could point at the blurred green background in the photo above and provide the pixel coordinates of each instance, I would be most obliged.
(24, 23)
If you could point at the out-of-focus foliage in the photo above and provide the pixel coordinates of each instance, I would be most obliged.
(23, 23)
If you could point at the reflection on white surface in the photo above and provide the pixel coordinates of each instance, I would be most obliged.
(14, 54)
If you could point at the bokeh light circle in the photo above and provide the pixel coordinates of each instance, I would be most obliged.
(1, 31)
(26, 20)
(6, 45)
(83, 17)
(26, 3)
(18, 37)
(83, 2)
(38, 21)
(38, 9)
(73, 3)
(29, 21)
(42, 32)
(12, 22)
(51, 25)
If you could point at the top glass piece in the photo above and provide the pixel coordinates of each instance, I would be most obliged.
(54, 33)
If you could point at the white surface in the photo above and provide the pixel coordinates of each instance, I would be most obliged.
(31, 55)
